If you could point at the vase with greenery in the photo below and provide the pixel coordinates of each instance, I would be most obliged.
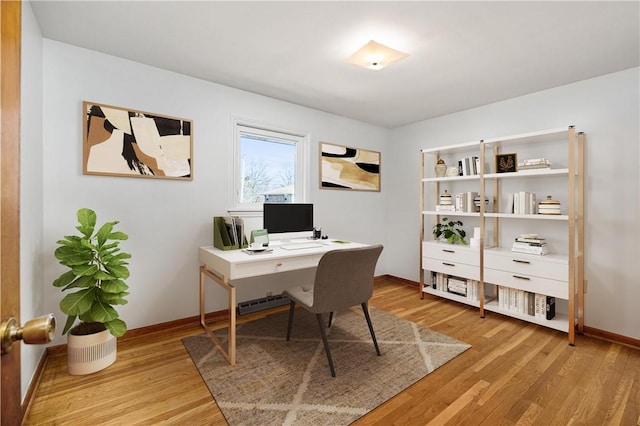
(95, 279)
(450, 230)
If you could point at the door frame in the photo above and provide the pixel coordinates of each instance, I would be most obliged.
(10, 29)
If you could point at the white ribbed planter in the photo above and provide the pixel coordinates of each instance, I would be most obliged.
(90, 353)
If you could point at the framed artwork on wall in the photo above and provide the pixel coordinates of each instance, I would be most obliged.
(124, 142)
(343, 167)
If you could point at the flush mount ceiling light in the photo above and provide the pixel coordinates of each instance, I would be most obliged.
(375, 56)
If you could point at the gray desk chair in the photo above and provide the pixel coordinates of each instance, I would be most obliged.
(344, 278)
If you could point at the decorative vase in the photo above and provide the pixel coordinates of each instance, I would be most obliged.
(87, 354)
(441, 169)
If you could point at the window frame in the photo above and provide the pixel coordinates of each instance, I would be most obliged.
(298, 138)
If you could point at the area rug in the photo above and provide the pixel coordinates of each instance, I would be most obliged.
(276, 382)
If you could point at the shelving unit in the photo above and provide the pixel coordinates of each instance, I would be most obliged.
(560, 274)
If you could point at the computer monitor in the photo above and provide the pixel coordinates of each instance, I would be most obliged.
(288, 220)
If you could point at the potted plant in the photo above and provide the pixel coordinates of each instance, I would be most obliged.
(95, 281)
(450, 230)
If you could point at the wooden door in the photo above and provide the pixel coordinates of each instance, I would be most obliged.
(10, 28)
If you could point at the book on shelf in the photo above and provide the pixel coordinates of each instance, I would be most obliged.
(524, 202)
(457, 286)
(469, 166)
(466, 202)
(534, 240)
(445, 208)
(534, 163)
(550, 307)
(530, 244)
(526, 302)
(543, 250)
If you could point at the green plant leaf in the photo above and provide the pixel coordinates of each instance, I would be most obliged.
(85, 269)
(71, 320)
(103, 233)
(102, 312)
(64, 279)
(78, 303)
(87, 219)
(115, 298)
(82, 282)
(118, 236)
(117, 327)
(118, 271)
(71, 254)
(114, 286)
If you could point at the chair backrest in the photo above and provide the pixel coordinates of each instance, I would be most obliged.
(344, 278)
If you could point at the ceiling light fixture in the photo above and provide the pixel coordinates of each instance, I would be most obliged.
(375, 56)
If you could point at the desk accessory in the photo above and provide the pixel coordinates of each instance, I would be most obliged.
(260, 236)
(228, 233)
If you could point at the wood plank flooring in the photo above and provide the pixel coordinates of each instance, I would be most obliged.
(515, 374)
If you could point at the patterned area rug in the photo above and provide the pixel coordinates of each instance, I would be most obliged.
(276, 382)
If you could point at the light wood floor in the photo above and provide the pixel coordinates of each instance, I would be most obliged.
(515, 373)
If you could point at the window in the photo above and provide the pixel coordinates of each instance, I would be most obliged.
(270, 166)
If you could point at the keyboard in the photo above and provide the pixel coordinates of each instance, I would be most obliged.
(298, 246)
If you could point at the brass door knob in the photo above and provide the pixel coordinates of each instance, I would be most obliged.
(37, 331)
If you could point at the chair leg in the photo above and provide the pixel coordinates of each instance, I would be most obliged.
(330, 318)
(373, 335)
(292, 308)
(326, 344)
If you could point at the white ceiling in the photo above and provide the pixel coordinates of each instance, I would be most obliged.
(463, 54)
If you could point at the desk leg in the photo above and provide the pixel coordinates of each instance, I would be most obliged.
(230, 353)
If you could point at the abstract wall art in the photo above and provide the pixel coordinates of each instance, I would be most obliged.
(342, 167)
(124, 142)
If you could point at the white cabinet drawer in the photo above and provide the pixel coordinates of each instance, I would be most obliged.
(539, 266)
(452, 268)
(559, 289)
(273, 266)
(451, 253)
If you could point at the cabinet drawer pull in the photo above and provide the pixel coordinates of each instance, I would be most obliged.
(448, 264)
(521, 278)
(448, 251)
(521, 261)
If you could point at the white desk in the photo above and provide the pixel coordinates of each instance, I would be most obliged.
(224, 266)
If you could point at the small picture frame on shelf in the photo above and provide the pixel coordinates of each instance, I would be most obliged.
(506, 163)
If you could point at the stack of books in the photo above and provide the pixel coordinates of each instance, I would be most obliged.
(530, 244)
(534, 163)
(525, 302)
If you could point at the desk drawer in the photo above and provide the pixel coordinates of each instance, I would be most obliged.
(559, 289)
(451, 268)
(451, 253)
(527, 265)
(274, 266)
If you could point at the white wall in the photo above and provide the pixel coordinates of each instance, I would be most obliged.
(168, 220)
(607, 110)
(32, 303)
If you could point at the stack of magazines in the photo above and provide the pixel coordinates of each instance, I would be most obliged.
(530, 244)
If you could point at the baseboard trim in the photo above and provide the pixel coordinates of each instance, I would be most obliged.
(612, 337)
(588, 331)
(35, 382)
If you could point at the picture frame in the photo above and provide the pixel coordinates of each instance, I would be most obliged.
(506, 163)
(130, 143)
(348, 168)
